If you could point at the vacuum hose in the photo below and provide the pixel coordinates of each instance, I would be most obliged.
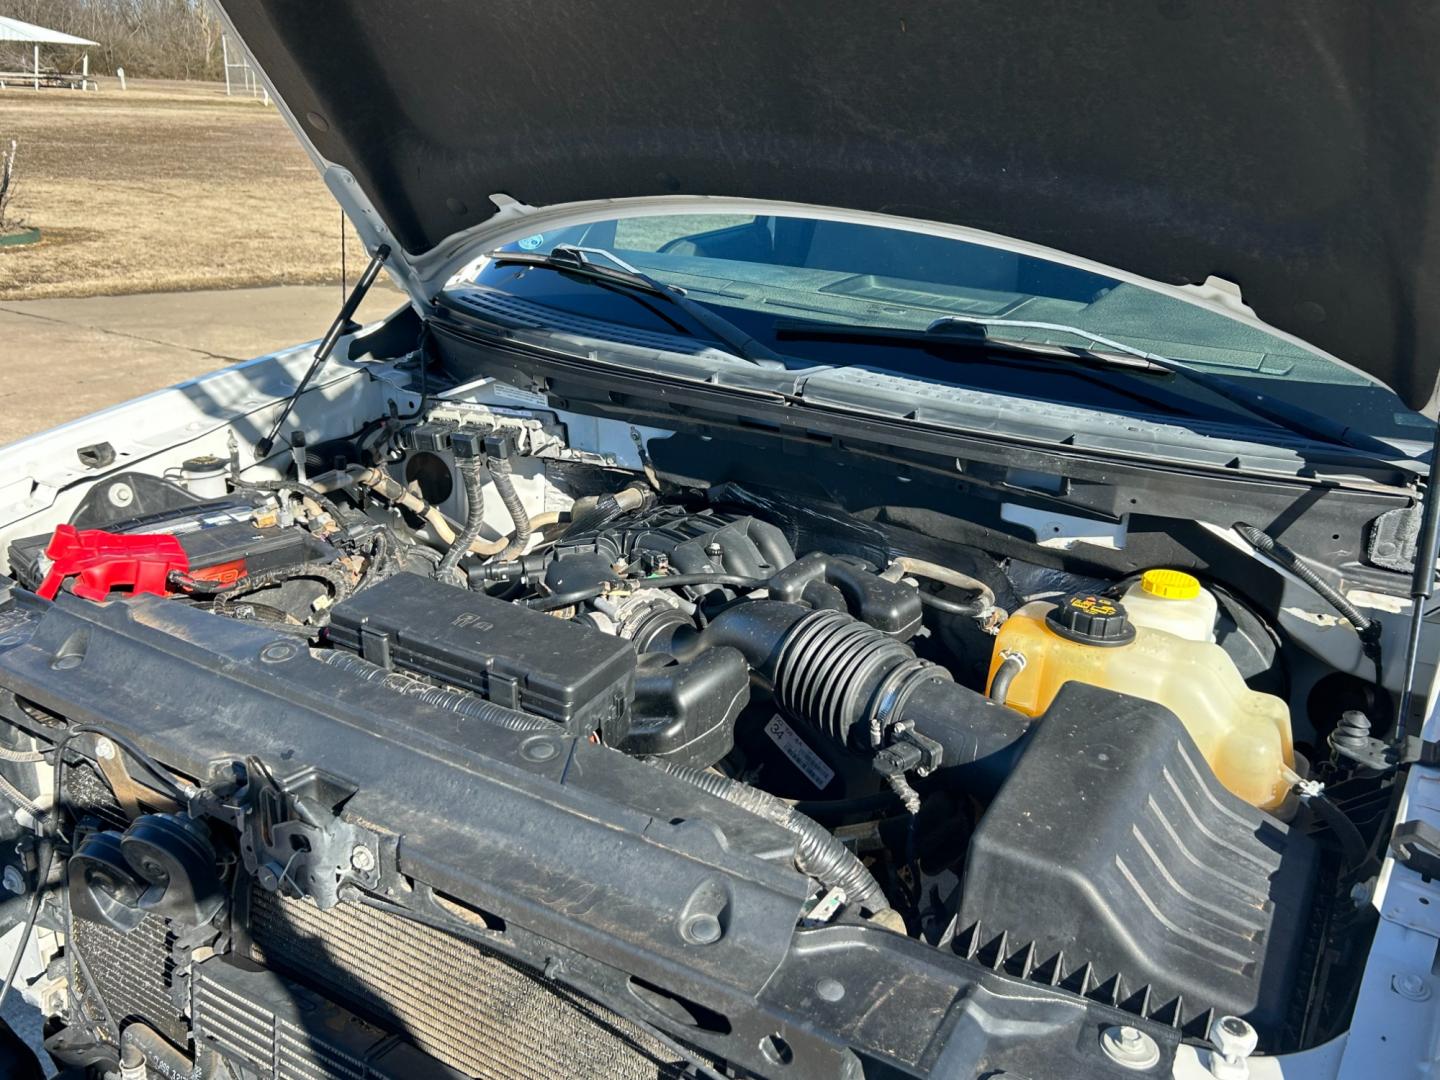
(817, 852)
(1266, 544)
(456, 701)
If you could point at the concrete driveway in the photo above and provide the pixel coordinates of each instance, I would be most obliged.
(62, 359)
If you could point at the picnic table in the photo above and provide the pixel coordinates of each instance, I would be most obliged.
(51, 77)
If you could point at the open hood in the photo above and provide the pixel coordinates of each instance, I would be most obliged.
(1292, 149)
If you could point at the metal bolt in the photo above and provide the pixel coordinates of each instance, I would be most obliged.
(1410, 986)
(13, 880)
(120, 494)
(362, 858)
(830, 989)
(1361, 892)
(1130, 1047)
(104, 748)
(1234, 1041)
(703, 929)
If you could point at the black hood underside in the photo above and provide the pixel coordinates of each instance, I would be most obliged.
(1290, 148)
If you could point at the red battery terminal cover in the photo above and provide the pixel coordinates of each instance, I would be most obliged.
(103, 561)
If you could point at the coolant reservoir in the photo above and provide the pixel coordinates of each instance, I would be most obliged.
(1172, 600)
(1243, 734)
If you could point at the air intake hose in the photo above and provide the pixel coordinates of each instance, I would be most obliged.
(853, 683)
(817, 852)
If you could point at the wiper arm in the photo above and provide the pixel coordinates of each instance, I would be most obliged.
(577, 262)
(941, 333)
(1282, 414)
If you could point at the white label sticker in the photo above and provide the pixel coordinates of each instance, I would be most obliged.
(514, 393)
(794, 747)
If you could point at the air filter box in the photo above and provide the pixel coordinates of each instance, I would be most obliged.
(577, 676)
(1112, 862)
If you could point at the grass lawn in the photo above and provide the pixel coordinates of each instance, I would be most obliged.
(165, 186)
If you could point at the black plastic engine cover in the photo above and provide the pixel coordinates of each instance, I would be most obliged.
(575, 675)
(746, 545)
(1112, 857)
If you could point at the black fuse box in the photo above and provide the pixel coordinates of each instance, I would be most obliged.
(575, 675)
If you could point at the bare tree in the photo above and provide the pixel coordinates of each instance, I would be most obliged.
(7, 187)
(161, 39)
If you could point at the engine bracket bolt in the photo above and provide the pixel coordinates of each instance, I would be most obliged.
(1410, 986)
(104, 748)
(277, 652)
(1130, 1047)
(1234, 1041)
(362, 858)
(702, 929)
(829, 989)
(541, 749)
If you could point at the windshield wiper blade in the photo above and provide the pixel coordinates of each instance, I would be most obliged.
(1282, 414)
(578, 262)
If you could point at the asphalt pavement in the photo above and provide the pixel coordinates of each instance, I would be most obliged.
(63, 359)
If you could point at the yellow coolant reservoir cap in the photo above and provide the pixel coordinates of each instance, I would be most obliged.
(1170, 584)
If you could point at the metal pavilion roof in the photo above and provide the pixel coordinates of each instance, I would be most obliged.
(15, 30)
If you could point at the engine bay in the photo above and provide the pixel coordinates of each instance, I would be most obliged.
(235, 702)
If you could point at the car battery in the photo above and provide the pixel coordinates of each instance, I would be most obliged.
(220, 544)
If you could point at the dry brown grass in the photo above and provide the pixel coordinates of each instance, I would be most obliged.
(165, 186)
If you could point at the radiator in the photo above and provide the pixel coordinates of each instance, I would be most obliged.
(459, 1002)
(134, 975)
(365, 995)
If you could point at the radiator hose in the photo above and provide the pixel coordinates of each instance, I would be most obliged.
(817, 852)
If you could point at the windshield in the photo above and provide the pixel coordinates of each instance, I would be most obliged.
(770, 274)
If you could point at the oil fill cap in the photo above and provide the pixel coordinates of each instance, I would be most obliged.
(1091, 620)
(1170, 584)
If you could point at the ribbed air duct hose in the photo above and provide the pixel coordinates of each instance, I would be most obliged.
(853, 683)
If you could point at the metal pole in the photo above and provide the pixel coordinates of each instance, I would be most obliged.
(337, 328)
(37, 67)
(1422, 585)
(225, 55)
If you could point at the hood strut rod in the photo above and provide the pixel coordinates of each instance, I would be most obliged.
(1422, 584)
(338, 327)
